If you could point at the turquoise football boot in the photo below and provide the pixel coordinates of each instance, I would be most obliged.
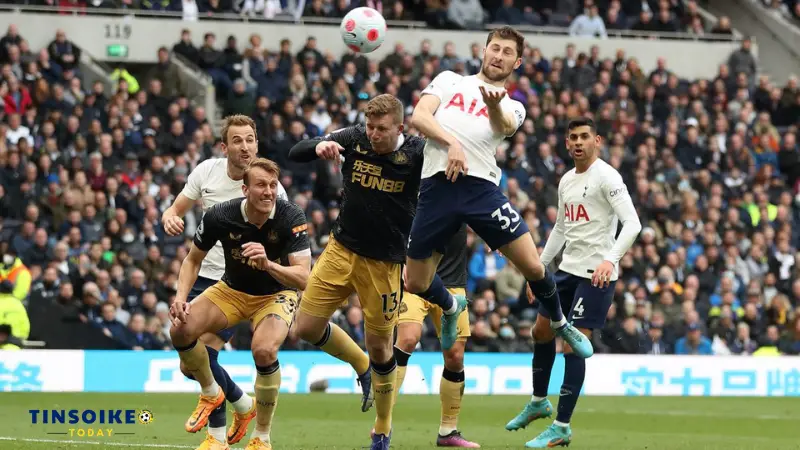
(450, 323)
(533, 410)
(553, 436)
(581, 345)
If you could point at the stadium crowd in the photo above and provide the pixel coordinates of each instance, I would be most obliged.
(713, 167)
(788, 8)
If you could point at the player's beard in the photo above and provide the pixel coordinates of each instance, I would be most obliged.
(502, 77)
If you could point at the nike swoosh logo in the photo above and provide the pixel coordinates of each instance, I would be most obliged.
(515, 228)
(194, 422)
(352, 35)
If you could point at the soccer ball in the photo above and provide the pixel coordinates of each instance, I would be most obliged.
(363, 29)
(145, 417)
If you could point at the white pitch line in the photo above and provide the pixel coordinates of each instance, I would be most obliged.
(685, 414)
(104, 443)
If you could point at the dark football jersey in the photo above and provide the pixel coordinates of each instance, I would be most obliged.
(380, 195)
(283, 234)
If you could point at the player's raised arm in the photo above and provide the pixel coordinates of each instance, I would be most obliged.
(423, 117)
(503, 121)
(620, 200)
(329, 147)
(556, 239)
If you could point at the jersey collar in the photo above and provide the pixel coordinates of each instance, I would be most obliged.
(400, 141)
(243, 207)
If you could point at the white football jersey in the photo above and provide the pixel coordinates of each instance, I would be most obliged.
(463, 114)
(209, 182)
(590, 206)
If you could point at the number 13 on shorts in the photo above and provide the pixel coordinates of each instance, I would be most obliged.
(390, 303)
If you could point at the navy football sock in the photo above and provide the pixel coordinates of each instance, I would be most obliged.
(438, 294)
(217, 417)
(547, 294)
(574, 374)
(544, 356)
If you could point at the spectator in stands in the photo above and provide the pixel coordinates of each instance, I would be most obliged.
(743, 60)
(66, 54)
(466, 14)
(588, 24)
(694, 343)
(171, 80)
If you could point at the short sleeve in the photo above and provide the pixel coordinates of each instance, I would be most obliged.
(207, 233)
(297, 241)
(441, 84)
(194, 184)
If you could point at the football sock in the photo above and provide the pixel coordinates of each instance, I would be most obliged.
(438, 294)
(547, 294)
(384, 377)
(217, 418)
(340, 345)
(268, 384)
(451, 391)
(402, 364)
(574, 374)
(544, 356)
(195, 359)
(219, 433)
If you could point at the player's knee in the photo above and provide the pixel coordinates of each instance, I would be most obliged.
(406, 343)
(381, 350)
(454, 358)
(417, 285)
(542, 332)
(265, 353)
(182, 335)
(536, 271)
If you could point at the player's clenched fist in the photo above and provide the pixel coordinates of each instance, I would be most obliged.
(329, 150)
(178, 312)
(173, 226)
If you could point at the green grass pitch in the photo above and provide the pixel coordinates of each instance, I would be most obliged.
(328, 421)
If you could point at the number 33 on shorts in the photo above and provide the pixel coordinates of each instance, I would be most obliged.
(507, 217)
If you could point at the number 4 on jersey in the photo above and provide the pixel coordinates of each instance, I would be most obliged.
(507, 220)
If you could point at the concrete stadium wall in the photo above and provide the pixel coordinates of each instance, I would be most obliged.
(143, 36)
(486, 373)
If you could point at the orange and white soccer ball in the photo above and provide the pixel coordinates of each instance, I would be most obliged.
(363, 29)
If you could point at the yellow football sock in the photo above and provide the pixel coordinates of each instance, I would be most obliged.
(196, 362)
(268, 384)
(340, 345)
(384, 377)
(401, 375)
(451, 391)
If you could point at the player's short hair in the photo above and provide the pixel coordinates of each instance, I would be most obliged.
(582, 122)
(262, 163)
(236, 120)
(385, 104)
(507, 32)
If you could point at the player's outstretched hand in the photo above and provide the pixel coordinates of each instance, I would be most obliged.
(456, 162)
(492, 98)
(178, 312)
(329, 150)
(529, 293)
(173, 226)
(602, 274)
